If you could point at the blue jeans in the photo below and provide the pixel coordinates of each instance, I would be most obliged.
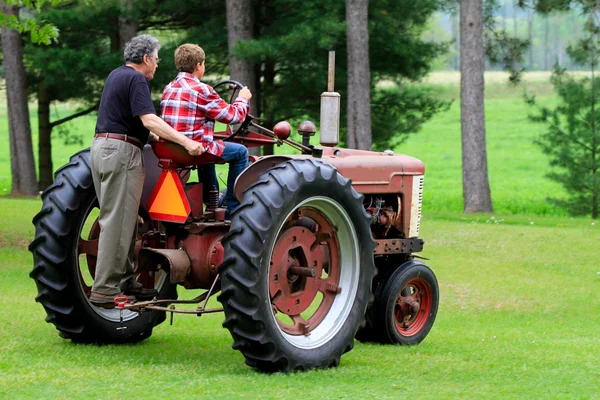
(237, 157)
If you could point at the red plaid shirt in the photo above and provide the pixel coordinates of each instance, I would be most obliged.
(191, 107)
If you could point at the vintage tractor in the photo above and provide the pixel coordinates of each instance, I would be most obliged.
(320, 251)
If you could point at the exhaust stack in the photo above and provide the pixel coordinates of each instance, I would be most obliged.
(330, 109)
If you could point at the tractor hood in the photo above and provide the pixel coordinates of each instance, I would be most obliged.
(370, 172)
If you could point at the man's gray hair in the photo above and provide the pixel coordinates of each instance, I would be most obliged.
(138, 46)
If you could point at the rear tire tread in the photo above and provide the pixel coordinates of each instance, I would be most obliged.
(56, 261)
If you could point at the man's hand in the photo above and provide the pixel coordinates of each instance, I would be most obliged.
(153, 138)
(165, 131)
(245, 93)
(193, 148)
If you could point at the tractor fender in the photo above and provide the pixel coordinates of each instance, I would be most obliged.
(251, 174)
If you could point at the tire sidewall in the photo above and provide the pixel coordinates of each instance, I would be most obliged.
(386, 300)
(96, 327)
(345, 334)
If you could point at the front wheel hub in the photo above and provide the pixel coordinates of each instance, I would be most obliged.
(413, 306)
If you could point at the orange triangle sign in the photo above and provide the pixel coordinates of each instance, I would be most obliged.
(168, 201)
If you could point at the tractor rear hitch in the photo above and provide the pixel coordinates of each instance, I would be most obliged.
(169, 305)
(120, 302)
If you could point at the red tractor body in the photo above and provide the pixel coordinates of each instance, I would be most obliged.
(395, 226)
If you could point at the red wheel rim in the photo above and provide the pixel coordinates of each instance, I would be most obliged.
(413, 306)
(299, 253)
(89, 247)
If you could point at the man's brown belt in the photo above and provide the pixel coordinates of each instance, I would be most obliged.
(119, 136)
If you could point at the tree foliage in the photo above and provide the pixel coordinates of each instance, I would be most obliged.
(40, 31)
(405, 110)
(289, 52)
(292, 47)
(73, 68)
(572, 139)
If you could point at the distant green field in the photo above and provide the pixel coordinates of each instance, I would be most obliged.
(516, 166)
(83, 126)
(518, 319)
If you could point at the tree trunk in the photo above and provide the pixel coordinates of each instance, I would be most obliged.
(240, 26)
(21, 158)
(476, 188)
(265, 16)
(359, 75)
(255, 85)
(45, 143)
(124, 26)
(268, 88)
(128, 23)
(114, 36)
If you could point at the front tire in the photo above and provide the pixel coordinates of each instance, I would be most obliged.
(298, 269)
(405, 308)
(64, 252)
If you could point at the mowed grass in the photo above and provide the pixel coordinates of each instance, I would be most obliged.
(518, 318)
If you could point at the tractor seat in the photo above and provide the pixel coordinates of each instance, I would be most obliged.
(165, 150)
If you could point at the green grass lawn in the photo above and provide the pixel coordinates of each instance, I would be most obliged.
(518, 318)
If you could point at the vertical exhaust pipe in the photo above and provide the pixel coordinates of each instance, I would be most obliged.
(330, 109)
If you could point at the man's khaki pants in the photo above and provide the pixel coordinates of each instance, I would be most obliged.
(118, 174)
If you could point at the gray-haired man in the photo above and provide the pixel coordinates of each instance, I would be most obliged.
(125, 117)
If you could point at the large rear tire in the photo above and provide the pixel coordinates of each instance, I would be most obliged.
(297, 275)
(64, 252)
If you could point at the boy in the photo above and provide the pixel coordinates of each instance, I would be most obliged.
(192, 107)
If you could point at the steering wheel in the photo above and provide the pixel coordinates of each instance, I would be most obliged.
(235, 129)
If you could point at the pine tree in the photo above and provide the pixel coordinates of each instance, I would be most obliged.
(292, 40)
(572, 139)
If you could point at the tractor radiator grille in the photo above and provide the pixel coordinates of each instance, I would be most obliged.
(415, 206)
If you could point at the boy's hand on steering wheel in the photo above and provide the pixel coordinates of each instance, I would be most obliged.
(245, 93)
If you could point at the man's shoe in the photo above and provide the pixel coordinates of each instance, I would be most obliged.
(108, 300)
(136, 289)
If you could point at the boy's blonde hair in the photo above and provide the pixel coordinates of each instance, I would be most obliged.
(187, 56)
